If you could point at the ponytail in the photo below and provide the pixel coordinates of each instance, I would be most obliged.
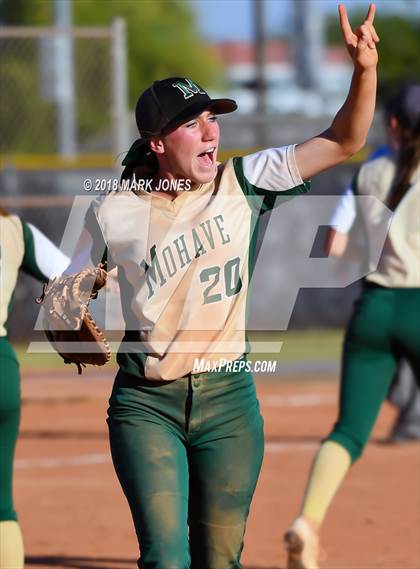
(139, 155)
(3, 212)
(407, 162)
(404, 107)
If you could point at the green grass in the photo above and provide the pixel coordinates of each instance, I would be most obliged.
(305, 345)
(312, 345)
(31, 361)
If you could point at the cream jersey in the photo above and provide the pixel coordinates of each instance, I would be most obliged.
(23, 246)
(184, 266)
(399, 265)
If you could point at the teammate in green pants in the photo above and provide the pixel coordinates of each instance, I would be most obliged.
(187, 447)
(24, 247)
(385, 325)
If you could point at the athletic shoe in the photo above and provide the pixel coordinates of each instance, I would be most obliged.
(301, 544)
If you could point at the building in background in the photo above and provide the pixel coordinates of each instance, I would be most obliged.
(283, 93)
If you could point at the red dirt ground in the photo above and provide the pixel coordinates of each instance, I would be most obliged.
(74, 515)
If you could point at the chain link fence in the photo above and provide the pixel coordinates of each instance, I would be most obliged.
(63, 93)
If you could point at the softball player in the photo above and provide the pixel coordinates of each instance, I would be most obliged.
(385, 326)
(403, 393)
(187, 447)
(22, 246)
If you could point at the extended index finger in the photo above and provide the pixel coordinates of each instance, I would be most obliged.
(371, 13)
(344, 23)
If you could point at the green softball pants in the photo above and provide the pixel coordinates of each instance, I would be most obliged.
(9, 425)
(385, 326)
(187, 454)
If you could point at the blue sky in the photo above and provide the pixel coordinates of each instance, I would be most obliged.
(232, 19)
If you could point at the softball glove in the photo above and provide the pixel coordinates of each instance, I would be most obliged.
(68, 324)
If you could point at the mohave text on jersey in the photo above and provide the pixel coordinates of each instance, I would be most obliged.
(178, 253)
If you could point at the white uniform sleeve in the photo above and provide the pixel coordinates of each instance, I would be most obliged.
(81, 258)
(345, 212)
(273, 169)
(46, 256)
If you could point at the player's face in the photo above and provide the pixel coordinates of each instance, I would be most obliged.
(190, 151)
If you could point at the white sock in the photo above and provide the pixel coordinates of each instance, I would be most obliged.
(329, 469)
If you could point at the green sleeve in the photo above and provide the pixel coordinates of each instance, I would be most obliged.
(262, 200)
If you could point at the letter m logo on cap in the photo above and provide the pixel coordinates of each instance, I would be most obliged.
(188, 88)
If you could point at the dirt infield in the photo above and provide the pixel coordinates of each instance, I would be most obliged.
(74, 515)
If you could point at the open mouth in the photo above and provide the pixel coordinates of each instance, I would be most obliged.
(207, 158)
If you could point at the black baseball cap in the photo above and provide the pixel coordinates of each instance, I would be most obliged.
(170, 102)
(405, 106)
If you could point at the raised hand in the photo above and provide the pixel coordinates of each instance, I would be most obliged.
(360, 43)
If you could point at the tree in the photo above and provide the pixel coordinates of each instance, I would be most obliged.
(162, 35)
(162, 41)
